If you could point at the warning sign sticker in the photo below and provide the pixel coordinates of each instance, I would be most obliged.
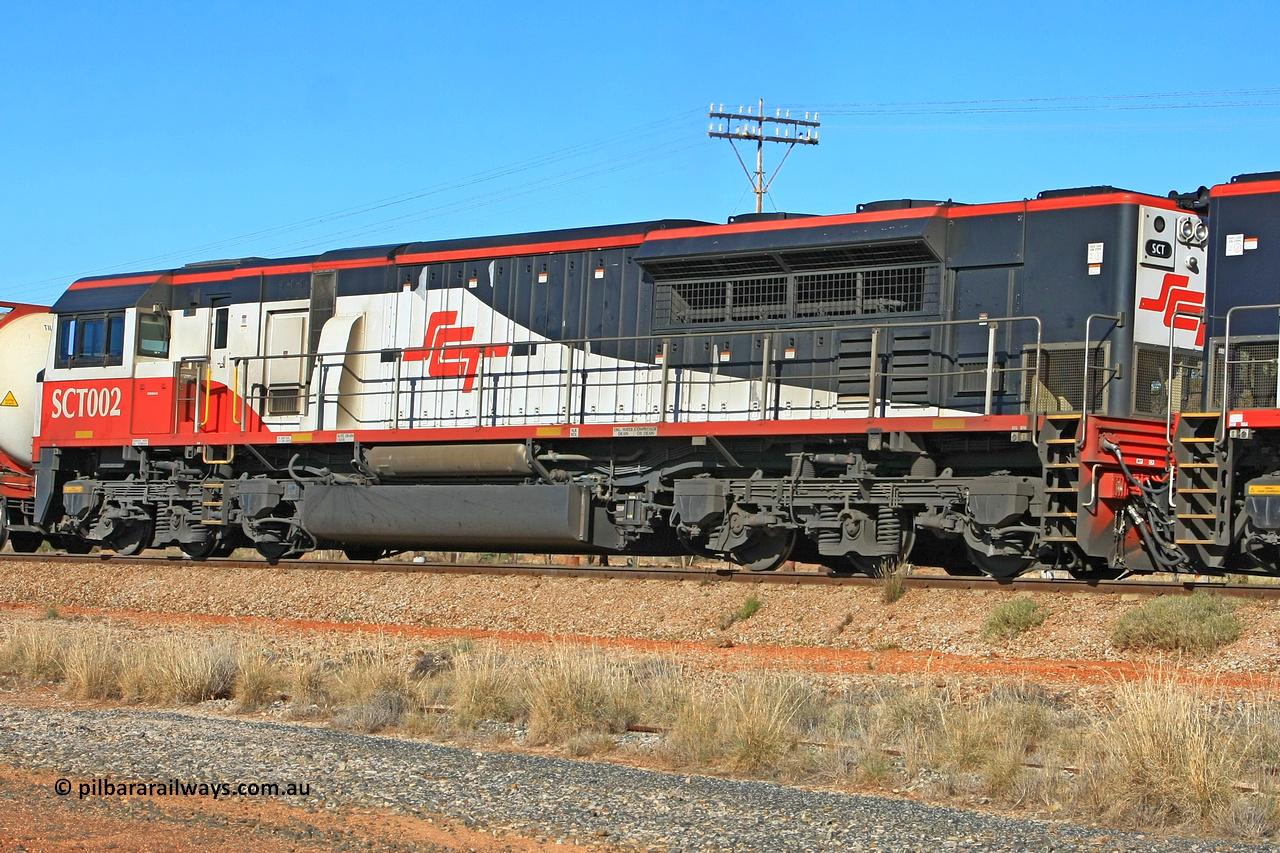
(10, 401)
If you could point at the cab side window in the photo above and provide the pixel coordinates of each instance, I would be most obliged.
(91, 340)
(153, 335)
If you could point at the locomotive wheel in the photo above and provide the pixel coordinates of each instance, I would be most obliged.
(73, 545)
(25, 543)
(695, 548)
(1000, 566)
(202, 550)
(134, 539)
(878, 566)
(364, 553)
(765, 551)
(273, 551)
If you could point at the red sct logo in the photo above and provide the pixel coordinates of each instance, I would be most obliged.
(1176, 296)
(444, 353)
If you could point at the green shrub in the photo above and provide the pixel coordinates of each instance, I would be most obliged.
(1011, 618)
(1197, 623)
(742, 614)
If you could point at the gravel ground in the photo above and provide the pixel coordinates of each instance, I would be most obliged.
(925, 620)
(529, 795)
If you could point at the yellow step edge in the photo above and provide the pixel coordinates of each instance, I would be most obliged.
(1062, 465)
(1198, 465)
(1196, 541)
(1061, 441)
(1061, 515)
(1197, 440)
(1197, 491)
(1196, 515)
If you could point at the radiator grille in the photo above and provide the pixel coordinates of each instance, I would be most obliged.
(1251, 374)
(832, 293)
(1154, 386)
(284, 400)
(1061, 379)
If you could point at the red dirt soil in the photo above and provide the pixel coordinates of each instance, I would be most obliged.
(1069, 673)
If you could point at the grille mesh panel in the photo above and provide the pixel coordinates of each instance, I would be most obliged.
(1153, 385)
(834, 293)
(1251, 374)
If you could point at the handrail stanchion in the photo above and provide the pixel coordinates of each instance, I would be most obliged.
(568, 385)
(395, 390)
(238, 422)
(1221, 434)
(1033, 422)
(665, 381)
(480, 387)
(991, 366)
(765, 364)
(1085, 396)
(874, 368)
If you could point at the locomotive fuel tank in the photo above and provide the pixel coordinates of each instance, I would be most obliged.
(24, 343)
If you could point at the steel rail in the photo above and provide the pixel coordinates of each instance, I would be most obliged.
(716, 574)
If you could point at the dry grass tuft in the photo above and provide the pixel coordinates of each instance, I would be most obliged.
(309, 689)
(992, 738)
(893, 581)
(1170, 759)
(486, 686)
(34, 652)
(1011, 618)
(576, 691)
(258, 681)
(763, 718)
(694, 735)
(371, 694)
(92, 667)
(191, 672)
(1197, 623)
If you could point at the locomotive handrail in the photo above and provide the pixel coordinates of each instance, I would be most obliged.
(1085, 395)
(235, 396)
(767, 397)
(1168, 409)
(1221, 434)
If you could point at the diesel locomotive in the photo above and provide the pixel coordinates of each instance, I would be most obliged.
(1085, 381)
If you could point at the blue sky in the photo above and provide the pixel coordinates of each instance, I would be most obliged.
(139, 136)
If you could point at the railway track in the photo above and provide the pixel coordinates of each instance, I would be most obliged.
(719, 574)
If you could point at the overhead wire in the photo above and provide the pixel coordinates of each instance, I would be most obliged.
(568, 153)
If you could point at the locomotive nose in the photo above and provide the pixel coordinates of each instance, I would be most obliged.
(24, 346)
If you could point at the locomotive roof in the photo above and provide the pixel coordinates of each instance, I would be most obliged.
(124, 290)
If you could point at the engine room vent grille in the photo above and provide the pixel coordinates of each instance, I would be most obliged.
(1252, 375)
(718, 267)
(794, 260)
(284, 400)
(834, 293)
(858, 256)
(1061, 378)
(1153, 385)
